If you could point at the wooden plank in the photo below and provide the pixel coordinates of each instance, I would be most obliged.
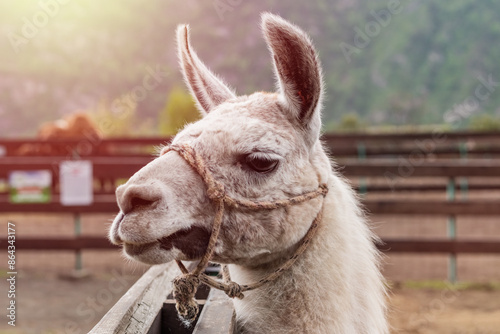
(96, 207)
(406, 152)
(114, 167)
(439, 246)
(337, 150)
(14, 142)
(84, 146)
(218, 315)
(136, 311)
(101, 204)
(336, 137)
(414, 207)
(394, 170)
(342, 144)
(425, 187)
(49, 244)
(425, 207)
(435, 137)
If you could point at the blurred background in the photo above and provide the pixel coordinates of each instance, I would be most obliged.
(412, 110)
(408, 70)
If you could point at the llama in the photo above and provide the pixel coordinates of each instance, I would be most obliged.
(261, 147)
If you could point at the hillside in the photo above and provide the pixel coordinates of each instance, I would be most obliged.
(389, 62)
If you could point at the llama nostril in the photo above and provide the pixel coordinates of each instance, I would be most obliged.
(137, 197)
(138, 202)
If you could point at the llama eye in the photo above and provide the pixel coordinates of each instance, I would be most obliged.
(261, 164)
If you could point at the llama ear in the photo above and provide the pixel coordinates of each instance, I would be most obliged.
(208, 90)
(297, 68)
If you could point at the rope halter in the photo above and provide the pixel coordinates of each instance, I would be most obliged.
(186, 285)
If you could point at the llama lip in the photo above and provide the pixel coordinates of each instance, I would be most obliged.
(134, 249)
(192, 242)
(114, 235)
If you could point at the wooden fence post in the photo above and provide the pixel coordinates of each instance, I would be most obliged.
(452, 232)
(361, 148)
(464, 184)
(78, 232)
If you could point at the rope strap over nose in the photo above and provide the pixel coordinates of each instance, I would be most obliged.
(186, 285)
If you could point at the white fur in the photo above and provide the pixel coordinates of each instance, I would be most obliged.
(336, 285)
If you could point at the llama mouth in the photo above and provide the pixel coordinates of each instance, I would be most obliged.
(192, 242)
(114, 236)
(135, 249)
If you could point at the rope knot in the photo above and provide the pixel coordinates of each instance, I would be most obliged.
(185, 287)
(186, 284)
(324, 188)
(234, 290)
(216, 191)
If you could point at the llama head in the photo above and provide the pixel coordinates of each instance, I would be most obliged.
(264, 146)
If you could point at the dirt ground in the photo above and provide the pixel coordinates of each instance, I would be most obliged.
(49, 304)
(445, 310)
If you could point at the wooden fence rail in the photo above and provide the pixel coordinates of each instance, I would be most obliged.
(148, 308)
(409, 207)
(341, 145)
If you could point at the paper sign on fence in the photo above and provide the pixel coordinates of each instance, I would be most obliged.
(76, 182)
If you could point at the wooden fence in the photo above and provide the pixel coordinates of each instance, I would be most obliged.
(455, 144)
(380, 164)
(148, 308)
(387, 157)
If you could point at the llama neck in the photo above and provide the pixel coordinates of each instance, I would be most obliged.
(334, 287)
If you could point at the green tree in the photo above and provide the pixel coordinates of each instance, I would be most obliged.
(350, 122)
(119, 118)
(484, 122)
(179, 110)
